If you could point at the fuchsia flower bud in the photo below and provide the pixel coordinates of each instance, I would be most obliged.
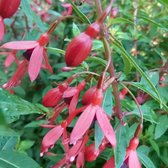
(79, 48)
(8, 7)
(7, 10)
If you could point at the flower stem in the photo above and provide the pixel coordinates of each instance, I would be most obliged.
(110, 66)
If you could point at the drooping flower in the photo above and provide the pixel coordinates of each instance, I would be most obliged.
(36, 48)
(131, 158)
(18, 75)
(54, 96)
(56, 132)
(72, 94)
(79, 48)
(93, 110)
(7, 10)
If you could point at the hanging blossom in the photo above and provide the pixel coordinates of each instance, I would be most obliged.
(93, 110)
(80, 47)
(7, 9)
(37, 53)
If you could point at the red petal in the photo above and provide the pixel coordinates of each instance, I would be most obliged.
(50, 138)
(105, 125)
(83, 124)
(133, 160)
(71, 91)
(20, 45)
(47, 64)
(80, 160)
(73, 103)
(35, 62)
(9, 59)
(110, 163)
(2, 28)
(17, 77)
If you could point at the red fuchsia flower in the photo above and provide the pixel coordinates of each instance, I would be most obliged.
(110, 163)
(72, 95)
(79, 48)
(36, 48)
(7, 10)
(18, 75)
(56, 132)
(123, 93)
(54, 96)
(75, 152)
(68, 8)
(131, 158)
(93, 110)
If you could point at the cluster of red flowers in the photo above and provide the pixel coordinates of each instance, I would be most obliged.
(64, 96)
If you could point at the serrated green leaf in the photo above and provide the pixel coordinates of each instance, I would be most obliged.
(11, 159)
(145, 160)
(82, 16)
(161, 127)
(13, 107)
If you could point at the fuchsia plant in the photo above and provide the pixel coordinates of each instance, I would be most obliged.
(67, 97)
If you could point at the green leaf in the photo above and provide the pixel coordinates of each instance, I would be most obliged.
(150, 92)
(121, 20)
(161, 127)
(55, 50)
(164, 2)
(79, 13)
(119, 46)
(98, 136)
(8, 139)
(11, 159)
(31, 16)
(97, 59)
(120, 149)
(75, 29)
(145, 160)
(148, 113)
(25, 145)
(97, 44)
(13, 107)
(155, 146)
(127, 65)
(108, 102)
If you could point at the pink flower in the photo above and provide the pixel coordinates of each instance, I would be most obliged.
(54, 96)
(93, 110)
(72, 94)
(67, 6)
(18, 75)
(80, 47)
(36, 57)
(131, 158)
